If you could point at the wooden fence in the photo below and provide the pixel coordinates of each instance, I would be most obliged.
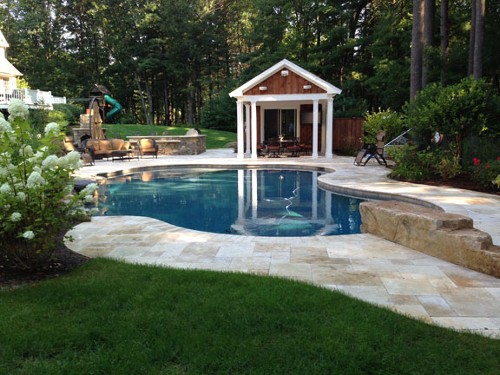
(348, 133)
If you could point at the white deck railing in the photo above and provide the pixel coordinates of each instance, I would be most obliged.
(33, 98)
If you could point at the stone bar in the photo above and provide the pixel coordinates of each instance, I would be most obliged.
(176, 144)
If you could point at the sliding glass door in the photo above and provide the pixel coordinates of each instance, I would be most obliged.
(280, 123)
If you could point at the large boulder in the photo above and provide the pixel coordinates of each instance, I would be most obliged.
(450, 237)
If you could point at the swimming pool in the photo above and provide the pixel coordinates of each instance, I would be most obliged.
(258, 202)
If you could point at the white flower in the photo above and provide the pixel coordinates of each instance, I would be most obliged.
(35, 179)
(17, 108)
(51, 128)
(15, 217)
(50, 162)
(5, 188)
(26, 151)
(4, 126)
(29, 235)
(89, 199)
(21, 196)
(89, 189)
(93, 211)
(37, 156)
(70, 161)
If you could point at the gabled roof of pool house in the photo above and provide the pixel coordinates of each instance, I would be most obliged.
(278, 86)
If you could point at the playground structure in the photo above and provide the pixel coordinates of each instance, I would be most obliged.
(91, 122)
(102, 96)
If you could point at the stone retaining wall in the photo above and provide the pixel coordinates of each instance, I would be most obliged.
(177, 144)
(450, 237)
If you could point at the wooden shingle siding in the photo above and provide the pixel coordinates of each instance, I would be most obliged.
(278, 85)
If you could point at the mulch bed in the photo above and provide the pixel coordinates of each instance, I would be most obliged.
(63, 261)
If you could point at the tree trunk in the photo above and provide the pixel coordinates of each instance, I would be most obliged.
(445, 40)
(416, 48)
(166, 104)
(427, 37)
(144, 109)
(190, 105)
(477, 70)
(150, 118)
(472, 37)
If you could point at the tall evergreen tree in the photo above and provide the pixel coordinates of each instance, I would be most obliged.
(416, 48)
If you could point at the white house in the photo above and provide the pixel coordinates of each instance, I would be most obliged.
(285, 101)
(8, 85)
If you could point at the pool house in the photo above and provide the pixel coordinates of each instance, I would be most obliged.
(285, 104)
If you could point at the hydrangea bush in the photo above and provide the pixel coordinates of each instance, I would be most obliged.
(37, 200)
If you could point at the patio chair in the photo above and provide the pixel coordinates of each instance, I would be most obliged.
(372, 151)
(148, 146)
(294, 147)
(69, 146)
(306, 146)
(273, 148)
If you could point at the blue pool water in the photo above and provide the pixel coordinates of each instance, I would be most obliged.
(278, 203)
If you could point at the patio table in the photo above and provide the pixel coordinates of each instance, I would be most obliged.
(124, 155)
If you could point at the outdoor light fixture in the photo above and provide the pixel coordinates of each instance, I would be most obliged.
(307, 87)
(263, 88)
(284, 73)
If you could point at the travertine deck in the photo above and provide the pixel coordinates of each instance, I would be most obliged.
(363, 265)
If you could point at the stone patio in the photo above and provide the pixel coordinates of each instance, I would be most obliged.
(362, 265)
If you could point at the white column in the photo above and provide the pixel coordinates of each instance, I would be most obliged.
(254, 130)
(248, 189)
(247, 129)
(329, 129)
(314, 212)
(254, 194)
(328, 208)
(240, 133)
(241, 194)
(315, 129)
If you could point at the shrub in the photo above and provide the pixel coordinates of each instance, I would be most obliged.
(38, 118)
(62, 114)
(126, 118)
(387, 120)
(482, 148)
(71, 112)
(36, 201)
(411, 164)
(487, 173)
(468, 108)
(448, 166)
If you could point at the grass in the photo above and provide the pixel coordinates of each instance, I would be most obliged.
(215, 138)
(114, 318)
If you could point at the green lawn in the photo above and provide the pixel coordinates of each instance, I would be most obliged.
(215, 138)
(115, 318)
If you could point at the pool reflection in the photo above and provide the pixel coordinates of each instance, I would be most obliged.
(255, 202)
